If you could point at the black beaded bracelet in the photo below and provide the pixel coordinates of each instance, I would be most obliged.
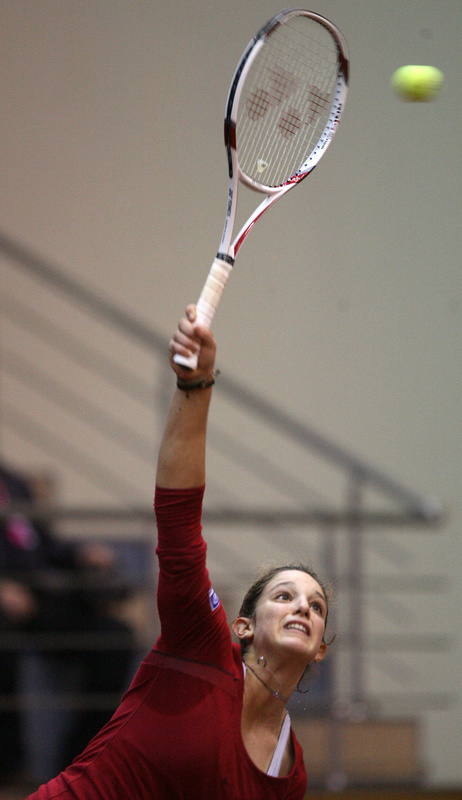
(200, 383)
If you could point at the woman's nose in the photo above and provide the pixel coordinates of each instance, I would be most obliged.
(303, 606)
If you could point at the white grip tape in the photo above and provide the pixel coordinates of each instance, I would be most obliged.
(212, 291)
(208, 303)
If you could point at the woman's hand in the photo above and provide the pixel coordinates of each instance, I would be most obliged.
(189, 338)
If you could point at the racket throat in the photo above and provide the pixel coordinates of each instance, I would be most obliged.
(226, 258)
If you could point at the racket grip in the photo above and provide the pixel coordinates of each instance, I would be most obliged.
(208, 303)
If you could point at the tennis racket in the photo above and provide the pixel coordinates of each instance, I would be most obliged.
(284, 105)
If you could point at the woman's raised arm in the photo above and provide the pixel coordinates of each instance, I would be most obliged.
(181, 461)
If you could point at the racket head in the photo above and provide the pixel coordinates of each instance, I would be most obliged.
(286, 100)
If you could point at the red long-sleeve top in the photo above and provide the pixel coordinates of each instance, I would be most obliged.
(177, 732)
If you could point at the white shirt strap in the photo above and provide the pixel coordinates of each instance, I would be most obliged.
(276, 761)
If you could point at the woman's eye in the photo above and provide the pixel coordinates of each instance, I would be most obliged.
(283, 596)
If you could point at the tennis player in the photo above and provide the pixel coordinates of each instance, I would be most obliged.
(205, 717)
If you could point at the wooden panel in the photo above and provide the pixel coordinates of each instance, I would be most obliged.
(373, 751)
(388, 794)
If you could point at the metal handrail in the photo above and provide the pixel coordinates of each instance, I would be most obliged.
(428, 509)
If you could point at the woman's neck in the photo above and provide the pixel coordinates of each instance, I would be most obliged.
(260, 707)
(264, 695)
(279, 680)
(275, 690)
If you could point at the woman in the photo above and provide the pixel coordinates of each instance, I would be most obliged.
(197, 722)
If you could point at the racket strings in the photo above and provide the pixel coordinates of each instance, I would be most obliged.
(286, 100)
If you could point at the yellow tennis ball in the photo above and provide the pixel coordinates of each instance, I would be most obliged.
(417, 84)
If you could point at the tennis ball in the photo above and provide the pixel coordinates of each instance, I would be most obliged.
(417, 83)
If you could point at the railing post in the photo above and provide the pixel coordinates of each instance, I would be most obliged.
(356, 572)
(336, 778)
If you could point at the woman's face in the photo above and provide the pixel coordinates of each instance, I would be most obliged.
(290, 617)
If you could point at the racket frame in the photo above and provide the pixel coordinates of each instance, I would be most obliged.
(228, 248)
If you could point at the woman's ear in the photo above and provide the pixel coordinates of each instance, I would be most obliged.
(321, 653)
(243, 628)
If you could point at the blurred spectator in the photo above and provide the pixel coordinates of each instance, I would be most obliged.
(34, 601)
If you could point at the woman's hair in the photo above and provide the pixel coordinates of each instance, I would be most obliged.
(250, 601)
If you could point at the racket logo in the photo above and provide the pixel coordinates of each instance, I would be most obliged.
(318, 103)
(257, 104)
(335, 123)
(289, 123)
(283, 84)
(230, 201)
(332, 130)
